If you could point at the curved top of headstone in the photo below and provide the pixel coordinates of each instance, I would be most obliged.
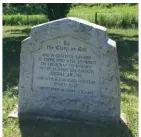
(80, 29)
(73, 19)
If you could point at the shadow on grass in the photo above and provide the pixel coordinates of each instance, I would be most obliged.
(128, 57)
(44, 128)
(11, 61)
(127, 48)
(11, 57)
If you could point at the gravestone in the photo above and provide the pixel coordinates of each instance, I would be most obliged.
(69, 71)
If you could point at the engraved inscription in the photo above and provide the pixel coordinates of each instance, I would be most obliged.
(66, 65)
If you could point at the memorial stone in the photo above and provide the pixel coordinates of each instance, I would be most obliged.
(69, 71)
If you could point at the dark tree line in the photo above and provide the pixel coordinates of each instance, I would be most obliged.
(56, 11)
(52, 10)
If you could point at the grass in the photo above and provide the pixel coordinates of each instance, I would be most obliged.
(127, 47)
(122, 9)
(10, 126)
(123, 16)
(24, 19)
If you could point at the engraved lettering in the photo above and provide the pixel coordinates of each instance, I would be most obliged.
(66, 67)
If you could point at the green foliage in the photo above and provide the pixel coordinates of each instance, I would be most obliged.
(22, 8)
(56, 10)
(118, 20)
(52, 10)
(111, 19)
(108, 15)
(24, 19)
(104, 19)
(39, 8)
(108, 5)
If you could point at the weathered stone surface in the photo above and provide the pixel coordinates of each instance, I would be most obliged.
(69, 70)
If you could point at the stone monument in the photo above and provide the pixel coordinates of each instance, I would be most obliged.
(69, 71)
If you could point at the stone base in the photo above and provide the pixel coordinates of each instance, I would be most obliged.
(14, 114)
(123, 119)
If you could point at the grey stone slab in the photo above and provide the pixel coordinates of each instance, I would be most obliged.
(42, 128)
(14, 112)
(69, 70)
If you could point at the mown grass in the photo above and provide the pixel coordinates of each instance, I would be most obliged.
(123, 16)
(127, 47)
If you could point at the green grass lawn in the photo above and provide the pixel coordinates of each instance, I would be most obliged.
(127, 47)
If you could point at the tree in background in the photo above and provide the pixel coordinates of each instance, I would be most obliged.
(22, 8)
(51, 10)
(56, 10)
